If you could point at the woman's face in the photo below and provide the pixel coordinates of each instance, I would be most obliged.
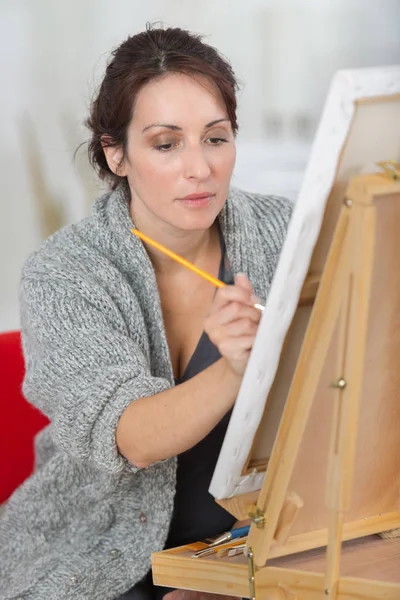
(180, 154)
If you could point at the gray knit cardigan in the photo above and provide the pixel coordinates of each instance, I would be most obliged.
(84, 525)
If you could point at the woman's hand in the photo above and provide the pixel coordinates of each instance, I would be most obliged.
(233, 321)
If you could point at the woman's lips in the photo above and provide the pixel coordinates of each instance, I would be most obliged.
(196, 201)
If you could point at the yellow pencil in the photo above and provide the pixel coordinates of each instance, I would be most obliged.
(217, 282)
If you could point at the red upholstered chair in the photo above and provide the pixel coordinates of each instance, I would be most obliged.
(19, 420)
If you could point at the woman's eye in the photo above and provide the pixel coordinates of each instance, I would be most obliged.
(164, 147)
(167, 146)
(216, 141)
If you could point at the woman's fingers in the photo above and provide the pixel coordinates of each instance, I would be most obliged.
(233, 336)
(236, 348)
(233, 322)
(241, 292)
(231, 312)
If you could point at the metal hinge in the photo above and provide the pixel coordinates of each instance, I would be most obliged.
(258, 518)
(391, 168)
(250, 565)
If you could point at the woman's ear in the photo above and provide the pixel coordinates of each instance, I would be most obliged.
(114, 156)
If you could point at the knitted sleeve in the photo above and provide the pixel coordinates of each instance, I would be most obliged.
(82, 369)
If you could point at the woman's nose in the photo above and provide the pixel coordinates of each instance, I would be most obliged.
(196, 163)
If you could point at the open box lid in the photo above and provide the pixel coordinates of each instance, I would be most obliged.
(360, 126)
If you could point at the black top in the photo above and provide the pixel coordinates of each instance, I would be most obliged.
(196, 514)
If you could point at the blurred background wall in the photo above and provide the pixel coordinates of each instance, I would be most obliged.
(52, 57)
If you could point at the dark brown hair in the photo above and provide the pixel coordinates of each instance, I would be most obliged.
(141, 58)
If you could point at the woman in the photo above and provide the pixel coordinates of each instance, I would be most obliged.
(135, 359)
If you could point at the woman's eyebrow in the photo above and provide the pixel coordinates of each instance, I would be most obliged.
(176, 128)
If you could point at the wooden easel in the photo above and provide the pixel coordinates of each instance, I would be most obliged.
(348, 358)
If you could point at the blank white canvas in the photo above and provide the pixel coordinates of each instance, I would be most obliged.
(334, 133)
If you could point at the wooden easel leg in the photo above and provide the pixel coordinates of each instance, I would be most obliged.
(344, 429)
(302, 391)
(333, 488)
(333, 554)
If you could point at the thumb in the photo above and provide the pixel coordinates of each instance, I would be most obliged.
(242, 281)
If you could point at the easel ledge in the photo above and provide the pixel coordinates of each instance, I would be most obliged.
(301, 577)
